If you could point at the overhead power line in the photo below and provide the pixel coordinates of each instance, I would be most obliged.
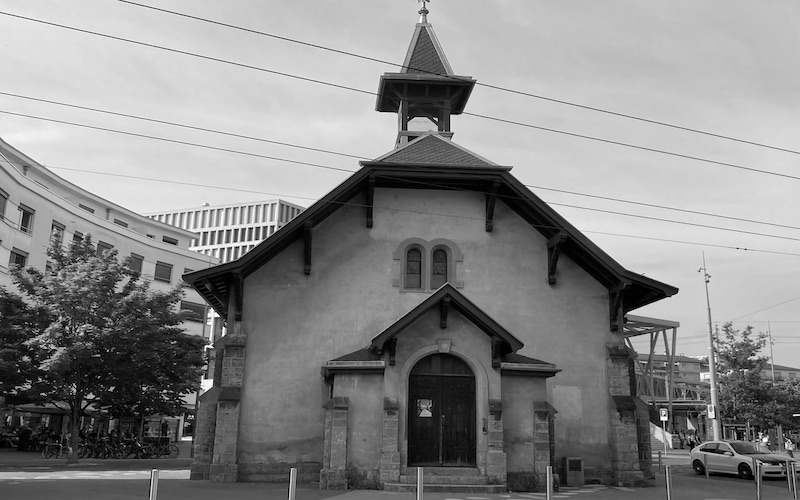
(175, 141)
(353, 89)
(364, 157)
(283, 195)
(495, 87)
(316, 165)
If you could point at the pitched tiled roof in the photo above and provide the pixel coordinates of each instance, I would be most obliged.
(424, 57)
(434, 150)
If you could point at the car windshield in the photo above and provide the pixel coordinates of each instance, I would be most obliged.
(744, 448)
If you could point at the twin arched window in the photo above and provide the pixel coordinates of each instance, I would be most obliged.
(427, 266)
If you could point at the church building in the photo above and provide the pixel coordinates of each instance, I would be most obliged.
(430, 311)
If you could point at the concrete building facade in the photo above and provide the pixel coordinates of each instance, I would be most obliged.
(227, 232)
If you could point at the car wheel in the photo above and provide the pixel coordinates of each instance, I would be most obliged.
(745, 472)
(698, 467)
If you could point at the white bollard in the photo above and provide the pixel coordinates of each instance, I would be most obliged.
(549, 482)
(758, 479)
(154, 484)
(419, 484)
(292, 483)
(668, 481)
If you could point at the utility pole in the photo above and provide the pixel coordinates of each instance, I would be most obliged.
(712, 364)
(771, 355)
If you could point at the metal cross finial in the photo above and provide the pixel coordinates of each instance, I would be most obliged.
(423, 12)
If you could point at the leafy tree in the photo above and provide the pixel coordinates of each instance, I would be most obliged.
(743, 394)
(99, 331)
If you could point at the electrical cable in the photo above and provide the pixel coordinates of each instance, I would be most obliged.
(203, 129)
(344, 87)
(605, 233)
(316, 165)
(494, 87)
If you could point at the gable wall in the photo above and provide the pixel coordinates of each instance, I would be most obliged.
(296, 323)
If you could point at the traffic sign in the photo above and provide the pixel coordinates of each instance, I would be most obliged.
(664, 415)
(711, 411)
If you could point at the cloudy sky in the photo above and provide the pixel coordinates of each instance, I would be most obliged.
(656, 198)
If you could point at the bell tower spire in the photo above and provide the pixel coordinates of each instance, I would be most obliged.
(426, 92)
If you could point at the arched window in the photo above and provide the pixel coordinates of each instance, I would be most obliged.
(413, 268)
(438, 268)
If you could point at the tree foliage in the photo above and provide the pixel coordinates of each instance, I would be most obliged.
(744, 394)
(91, 331)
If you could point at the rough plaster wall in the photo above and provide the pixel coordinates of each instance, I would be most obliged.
(365, 410)
(296, 323)
(519, 393)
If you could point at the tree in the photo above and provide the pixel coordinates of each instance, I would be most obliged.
(745, 396)
(98, 331)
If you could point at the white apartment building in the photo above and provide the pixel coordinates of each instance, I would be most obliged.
(227, 232)
(38, 207)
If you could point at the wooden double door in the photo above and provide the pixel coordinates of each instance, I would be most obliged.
(441, 413)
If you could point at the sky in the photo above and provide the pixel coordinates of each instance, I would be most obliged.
(285, 94)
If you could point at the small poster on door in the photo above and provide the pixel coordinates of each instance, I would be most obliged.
(424, 407)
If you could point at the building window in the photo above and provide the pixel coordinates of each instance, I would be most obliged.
(57, 234)
(413, 269)
(120, 223)
(18, 257)
(163, 272)
(88, 209)
(103, 247)
(426, 265)
(438, 268)
(25, 219)
(167, 239)
(3, 201)
(196, 312)
(135, 262)
(77, 237)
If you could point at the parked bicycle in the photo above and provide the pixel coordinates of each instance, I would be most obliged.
(52, 449)
(165, 449)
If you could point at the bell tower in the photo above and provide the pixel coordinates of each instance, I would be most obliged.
(426, 92)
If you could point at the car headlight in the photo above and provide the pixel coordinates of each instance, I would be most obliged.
(761, 462)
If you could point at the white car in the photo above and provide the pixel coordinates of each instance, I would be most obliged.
(736, 457)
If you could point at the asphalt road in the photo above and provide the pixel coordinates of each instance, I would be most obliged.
(28, 476)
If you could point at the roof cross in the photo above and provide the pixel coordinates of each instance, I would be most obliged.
(423, 12)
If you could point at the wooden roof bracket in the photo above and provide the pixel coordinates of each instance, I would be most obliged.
(444, 307)
(390, 348)
(370, 199)
(554, 246)
(615, 299)
(497, 344)
(491, 198)
(307, 227)
(237, 284)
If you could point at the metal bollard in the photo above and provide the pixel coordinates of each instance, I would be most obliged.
(660, 463)
(292, 483)
(154, 484)
(668, 481)
(788, 477)
(794, 479)
(705, 464)
(420, 486)
(758, 479)
(549, 482)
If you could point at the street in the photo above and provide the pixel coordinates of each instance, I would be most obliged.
(28, 476)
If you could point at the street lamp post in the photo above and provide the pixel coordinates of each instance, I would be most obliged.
(712, 365)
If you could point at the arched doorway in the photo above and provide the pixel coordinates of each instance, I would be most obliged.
(441, 412)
